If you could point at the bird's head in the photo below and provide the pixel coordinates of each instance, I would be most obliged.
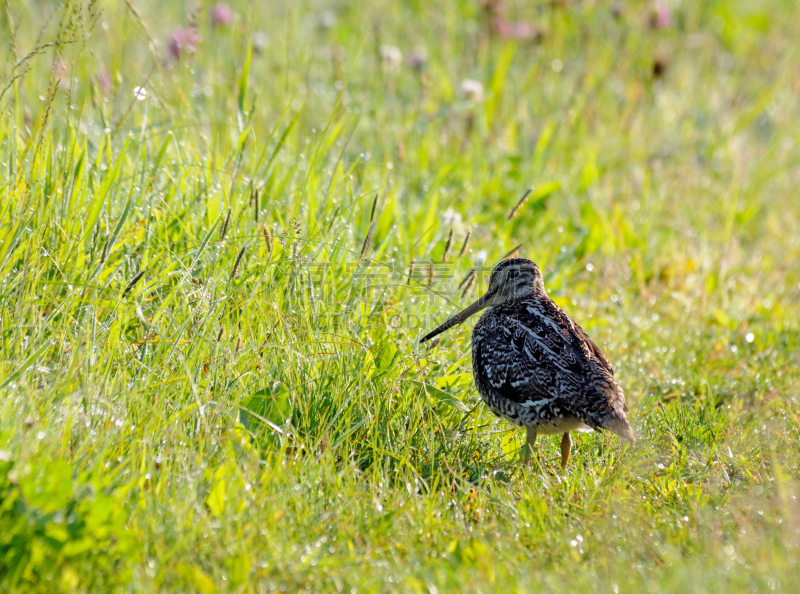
(512, 280)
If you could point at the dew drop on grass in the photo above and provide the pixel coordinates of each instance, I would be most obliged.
(749, 337)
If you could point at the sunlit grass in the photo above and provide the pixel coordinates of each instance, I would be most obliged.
(216, 261)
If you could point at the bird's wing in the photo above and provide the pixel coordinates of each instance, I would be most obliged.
(504, 361)
(598, 354)
(604, 381)
(535, 357)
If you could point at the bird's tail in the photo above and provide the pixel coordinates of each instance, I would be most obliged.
(620, 426)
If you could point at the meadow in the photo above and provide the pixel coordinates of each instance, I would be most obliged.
(225, 227)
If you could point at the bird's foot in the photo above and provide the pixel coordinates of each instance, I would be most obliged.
(530, 441)
(566, 448)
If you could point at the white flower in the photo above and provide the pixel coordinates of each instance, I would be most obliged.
(327, 19)
(391, 56)
(472, 90)
(451, 218)
(260, 41)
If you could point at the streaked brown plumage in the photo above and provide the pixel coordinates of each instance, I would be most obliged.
(536, 367)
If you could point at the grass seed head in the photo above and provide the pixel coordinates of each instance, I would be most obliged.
(465, 245)
(447, 245)
(515, 210)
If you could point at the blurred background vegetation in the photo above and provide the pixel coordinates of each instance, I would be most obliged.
(224, 227)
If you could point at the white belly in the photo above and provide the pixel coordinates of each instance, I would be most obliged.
(562, 425)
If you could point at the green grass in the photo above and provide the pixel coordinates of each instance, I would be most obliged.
(211, 298)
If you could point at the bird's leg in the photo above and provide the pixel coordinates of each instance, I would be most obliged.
(531, 439)
(566, 446)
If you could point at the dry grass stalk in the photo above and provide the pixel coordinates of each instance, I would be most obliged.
(466, 279)
(447, 245)
(224, 228)
(133, 282)
(238, 261)
(465, 244)
(515, 210)
(371, 229)
(267, 239)
(512, 253)
(469, 282)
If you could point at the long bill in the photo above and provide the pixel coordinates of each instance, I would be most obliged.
(460, 317)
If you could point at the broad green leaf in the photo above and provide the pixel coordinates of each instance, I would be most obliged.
(441, 395)
(196, 577)
(102, 193)
(498, 81)
(238, 568)
(216, 497)
(243, 84)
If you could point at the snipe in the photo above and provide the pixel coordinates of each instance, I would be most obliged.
(536, 367)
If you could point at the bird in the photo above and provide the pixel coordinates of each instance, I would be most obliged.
(536, 367)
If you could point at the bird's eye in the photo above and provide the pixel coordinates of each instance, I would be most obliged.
(513, 273)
